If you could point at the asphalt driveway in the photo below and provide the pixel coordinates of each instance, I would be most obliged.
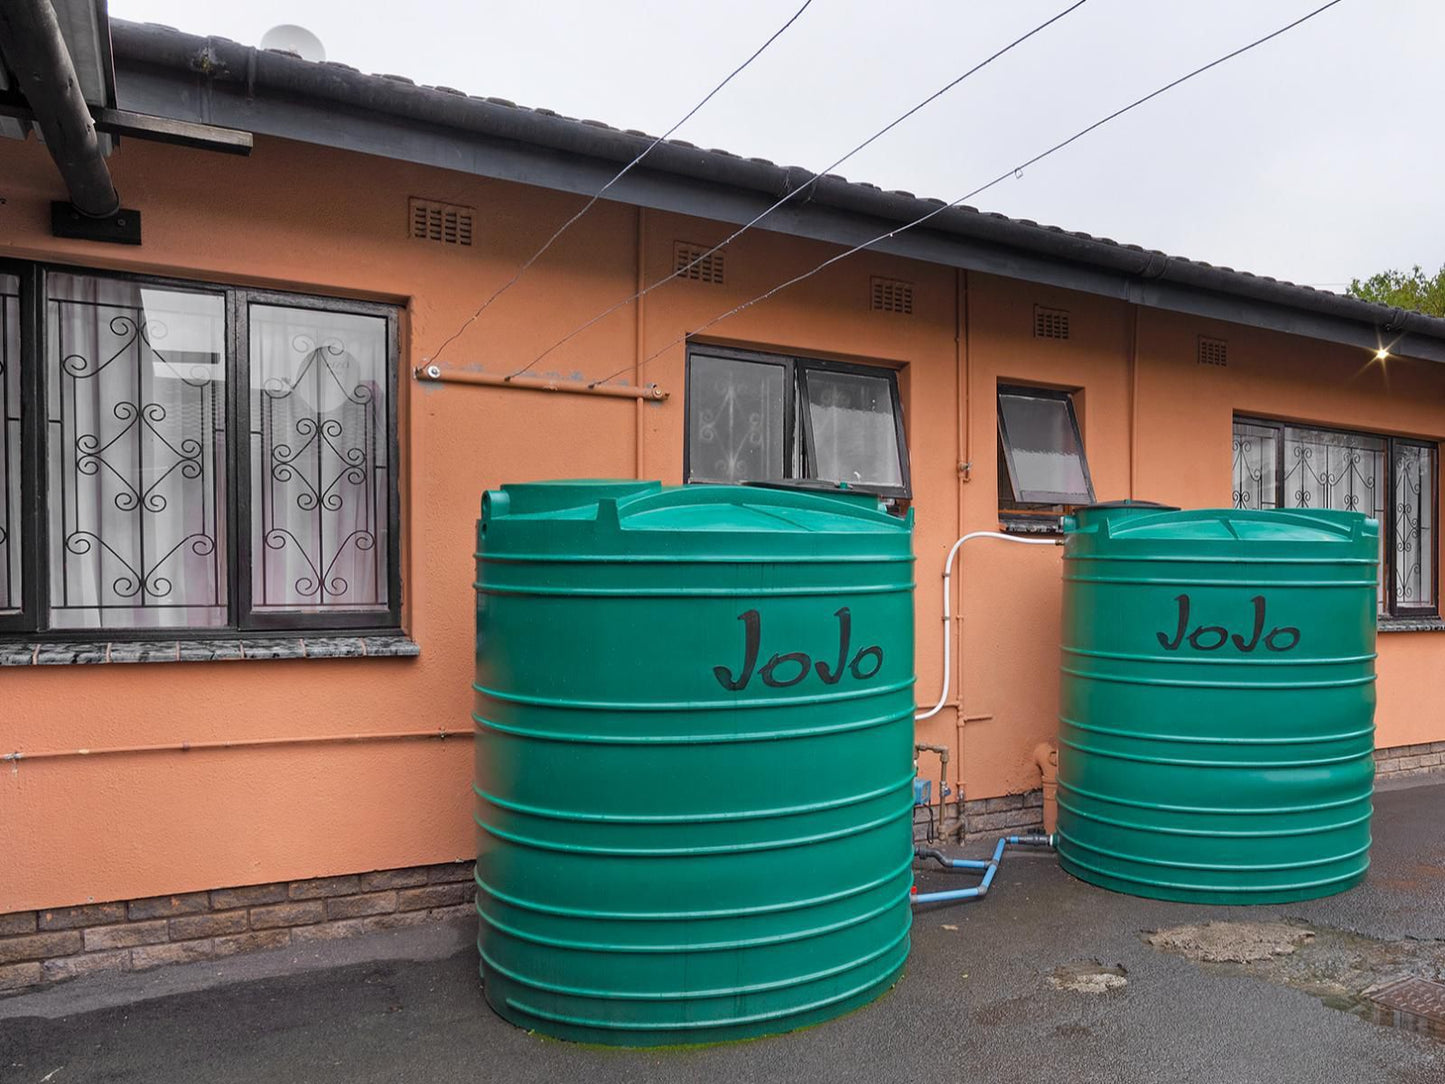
(1046, 979)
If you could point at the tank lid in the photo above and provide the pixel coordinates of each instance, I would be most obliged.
(836, 490)
(601, 517)
(1113, 512)
(1203, 530)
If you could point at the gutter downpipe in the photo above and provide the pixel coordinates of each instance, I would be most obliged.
(1046, 756)
(990, 868)
(37, 53)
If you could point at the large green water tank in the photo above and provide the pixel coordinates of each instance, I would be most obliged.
(694, 711)
(1217, 701)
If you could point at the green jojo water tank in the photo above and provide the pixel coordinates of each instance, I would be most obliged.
(1216, 726)
(694, 761)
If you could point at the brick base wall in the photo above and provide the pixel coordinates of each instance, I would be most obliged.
(985, 817)
(1407, 760)
(1009, 815)
(41, 947)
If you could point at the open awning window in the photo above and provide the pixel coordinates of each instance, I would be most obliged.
(1041, 446)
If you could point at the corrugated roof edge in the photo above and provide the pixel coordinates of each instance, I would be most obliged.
(222, 60)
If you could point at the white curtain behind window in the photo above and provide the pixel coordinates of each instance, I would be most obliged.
(855, 438)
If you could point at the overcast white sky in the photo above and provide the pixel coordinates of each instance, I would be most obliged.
(1314, 158)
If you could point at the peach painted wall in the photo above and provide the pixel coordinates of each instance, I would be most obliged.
(76, 829)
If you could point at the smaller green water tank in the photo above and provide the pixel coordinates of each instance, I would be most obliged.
(1217, 698)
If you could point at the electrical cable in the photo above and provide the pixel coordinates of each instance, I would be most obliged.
(527, 264)
(794, 193)
(1014, 172)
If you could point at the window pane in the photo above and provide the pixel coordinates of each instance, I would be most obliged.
(1256, 466)
(136, 426)
(1340, 471)
(1041, 440)
(735, 420)
(855, 437)
(10, 594)
(319, 415)
(1414, 512)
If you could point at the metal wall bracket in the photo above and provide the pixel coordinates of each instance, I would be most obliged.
(121, 228)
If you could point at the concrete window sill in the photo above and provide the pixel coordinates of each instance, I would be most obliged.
(218, 649)
(1411, 624)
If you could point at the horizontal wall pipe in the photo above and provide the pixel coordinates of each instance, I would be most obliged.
(435, 374)
(238, 743)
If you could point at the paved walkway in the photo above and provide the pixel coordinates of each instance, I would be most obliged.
(979, 1002)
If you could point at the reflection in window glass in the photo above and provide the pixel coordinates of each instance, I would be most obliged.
(736, 412)
(318, 447)
(1041, 443)
(855, 437)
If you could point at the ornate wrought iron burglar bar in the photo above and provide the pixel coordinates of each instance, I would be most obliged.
(1392, 479)
(135, 437)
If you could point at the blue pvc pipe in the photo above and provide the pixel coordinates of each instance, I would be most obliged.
(939, 897)
(990, 868)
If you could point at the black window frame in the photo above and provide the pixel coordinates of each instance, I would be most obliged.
(1392, 608)
(1042, 500)
(797, 419)
(32, 621)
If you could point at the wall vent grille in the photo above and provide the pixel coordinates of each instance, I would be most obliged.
(1213, 351)
(444, 223)
(695, 262)
(1050, 323)
(891, 295)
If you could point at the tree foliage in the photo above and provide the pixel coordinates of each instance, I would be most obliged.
(1411, 289)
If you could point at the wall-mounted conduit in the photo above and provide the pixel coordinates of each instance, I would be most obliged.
(435, 374)
(238, 743)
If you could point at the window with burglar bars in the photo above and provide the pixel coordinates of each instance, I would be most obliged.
(1392, 479)
(194, 458)
(755, 417)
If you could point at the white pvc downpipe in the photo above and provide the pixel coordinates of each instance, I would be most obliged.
(948, 606)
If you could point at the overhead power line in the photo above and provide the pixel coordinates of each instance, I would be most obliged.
(1013, 172)
(794, 193)
(527, 264)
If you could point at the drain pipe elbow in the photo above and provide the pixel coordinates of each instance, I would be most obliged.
(37, 53)
(1046, 756)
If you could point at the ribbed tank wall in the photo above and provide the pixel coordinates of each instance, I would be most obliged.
(694, 758)
(1217, 699)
